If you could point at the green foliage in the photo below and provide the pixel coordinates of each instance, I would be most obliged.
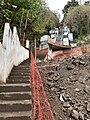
(32, 17)
(78, 19)
(69, 4)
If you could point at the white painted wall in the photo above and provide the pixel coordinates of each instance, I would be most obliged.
(11, 52)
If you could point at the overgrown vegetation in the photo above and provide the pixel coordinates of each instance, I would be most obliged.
(70, 4)
(78, 20)
(32, 17)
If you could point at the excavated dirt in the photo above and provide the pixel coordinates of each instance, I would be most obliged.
(67, 85)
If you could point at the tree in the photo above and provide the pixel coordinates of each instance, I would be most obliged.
(19, 12)
(69, 4)
(32, 17)
(78, 20)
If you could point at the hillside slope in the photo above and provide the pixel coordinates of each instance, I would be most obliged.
(67, 85)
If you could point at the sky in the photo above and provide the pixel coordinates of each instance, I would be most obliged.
(57, 5)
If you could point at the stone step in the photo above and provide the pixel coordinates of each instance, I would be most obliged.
(22, 115)
(15, 106)
(20, 68)
(24, 64)
(16, 118)
(15, 87)
(2, 102)
(15, 96)
(20, 73)
(18, 80)
(19, 77)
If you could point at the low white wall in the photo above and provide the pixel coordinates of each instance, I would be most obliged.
(11, 52)
(2, 63)
(21, 55)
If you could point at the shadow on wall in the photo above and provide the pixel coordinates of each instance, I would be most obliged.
(12, 53)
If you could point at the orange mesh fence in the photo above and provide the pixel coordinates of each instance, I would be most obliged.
(41, 106)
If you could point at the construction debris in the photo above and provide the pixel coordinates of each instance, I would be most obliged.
(67, 86)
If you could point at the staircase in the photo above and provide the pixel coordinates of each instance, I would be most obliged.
(15, 95)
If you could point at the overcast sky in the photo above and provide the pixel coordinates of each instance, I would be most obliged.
(57, 5)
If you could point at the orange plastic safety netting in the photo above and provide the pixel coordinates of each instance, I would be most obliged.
(41, 106)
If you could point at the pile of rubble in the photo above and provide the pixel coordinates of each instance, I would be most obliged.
(67, 85)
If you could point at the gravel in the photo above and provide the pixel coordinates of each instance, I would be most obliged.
(67, 85)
